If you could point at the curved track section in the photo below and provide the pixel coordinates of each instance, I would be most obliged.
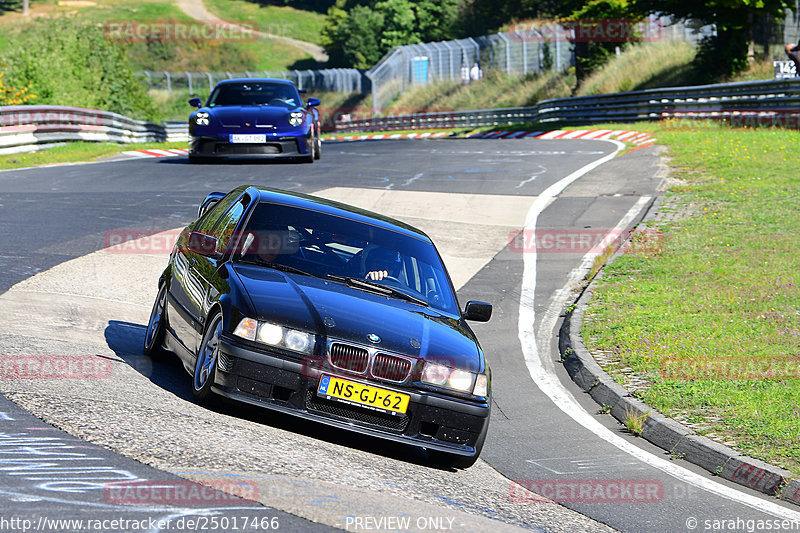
(67, 296)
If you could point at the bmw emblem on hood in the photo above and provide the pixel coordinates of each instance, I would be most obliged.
(374, 338)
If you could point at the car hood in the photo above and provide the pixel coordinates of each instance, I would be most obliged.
(341, 312)
(264, 116)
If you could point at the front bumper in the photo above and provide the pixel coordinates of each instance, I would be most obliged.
(275, 147)
(276, 382)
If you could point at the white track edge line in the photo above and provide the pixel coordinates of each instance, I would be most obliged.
(549, 384)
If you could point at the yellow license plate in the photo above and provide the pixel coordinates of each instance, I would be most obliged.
(352, 392)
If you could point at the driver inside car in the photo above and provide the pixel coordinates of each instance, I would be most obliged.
(381, 263)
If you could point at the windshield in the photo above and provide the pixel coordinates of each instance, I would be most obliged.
(255, 93)
(324, 245)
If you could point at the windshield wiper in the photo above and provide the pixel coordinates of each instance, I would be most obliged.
(377, 287)
(277, 266)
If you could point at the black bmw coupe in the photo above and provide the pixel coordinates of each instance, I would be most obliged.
(327, 312)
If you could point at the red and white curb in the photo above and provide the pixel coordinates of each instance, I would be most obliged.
(366, 137)
(634, 137)
(642, 140)
(168, 152)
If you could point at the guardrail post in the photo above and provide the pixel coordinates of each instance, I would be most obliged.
(169, 83)
(189, 77)
(210, 82)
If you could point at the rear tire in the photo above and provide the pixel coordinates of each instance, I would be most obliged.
(205, 368)
(318, 145)
(197, 160)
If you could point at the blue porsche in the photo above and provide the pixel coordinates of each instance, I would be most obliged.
(254, 117)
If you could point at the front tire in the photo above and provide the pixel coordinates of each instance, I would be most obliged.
(205, 367)
(318, 145)
(312, 147)
(156, 326)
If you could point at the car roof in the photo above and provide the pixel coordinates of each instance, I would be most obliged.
(316, 203)
(261, 80)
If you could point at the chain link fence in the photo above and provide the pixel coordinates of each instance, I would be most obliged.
(518, 52)
(344, 80)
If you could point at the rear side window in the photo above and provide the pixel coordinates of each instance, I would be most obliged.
(224, 230)
(213, 216)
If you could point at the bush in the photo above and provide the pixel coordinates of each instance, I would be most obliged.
(64, 62)
(12, 95)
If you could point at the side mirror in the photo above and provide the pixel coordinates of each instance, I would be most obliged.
(209, 202)
(301, 91)
(312, 102)
(477, 311)
(202, 244)
(196, 102)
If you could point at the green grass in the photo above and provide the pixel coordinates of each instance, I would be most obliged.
(495, 90)
(76, 152)
(285, 21)
(643, 66)
(710, 315)
(253, 55)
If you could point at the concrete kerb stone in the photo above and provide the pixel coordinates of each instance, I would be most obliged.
(705, 453)
(664, 432)
(791, 491)
(755, 474)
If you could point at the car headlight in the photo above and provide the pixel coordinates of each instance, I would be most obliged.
(275, 335)
(295, 118)
(201, 118)
(456, 379)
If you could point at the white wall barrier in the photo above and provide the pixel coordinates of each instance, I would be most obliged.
(29, 128)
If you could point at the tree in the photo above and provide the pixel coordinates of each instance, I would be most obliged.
(479, 17)
(352, 39)
(399, 25)
(359, 34)
(590, 54)
(727, 52)
(75, 65)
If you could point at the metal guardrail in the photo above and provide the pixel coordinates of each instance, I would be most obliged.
(756, 103)
(29, 128)
(771, 102)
